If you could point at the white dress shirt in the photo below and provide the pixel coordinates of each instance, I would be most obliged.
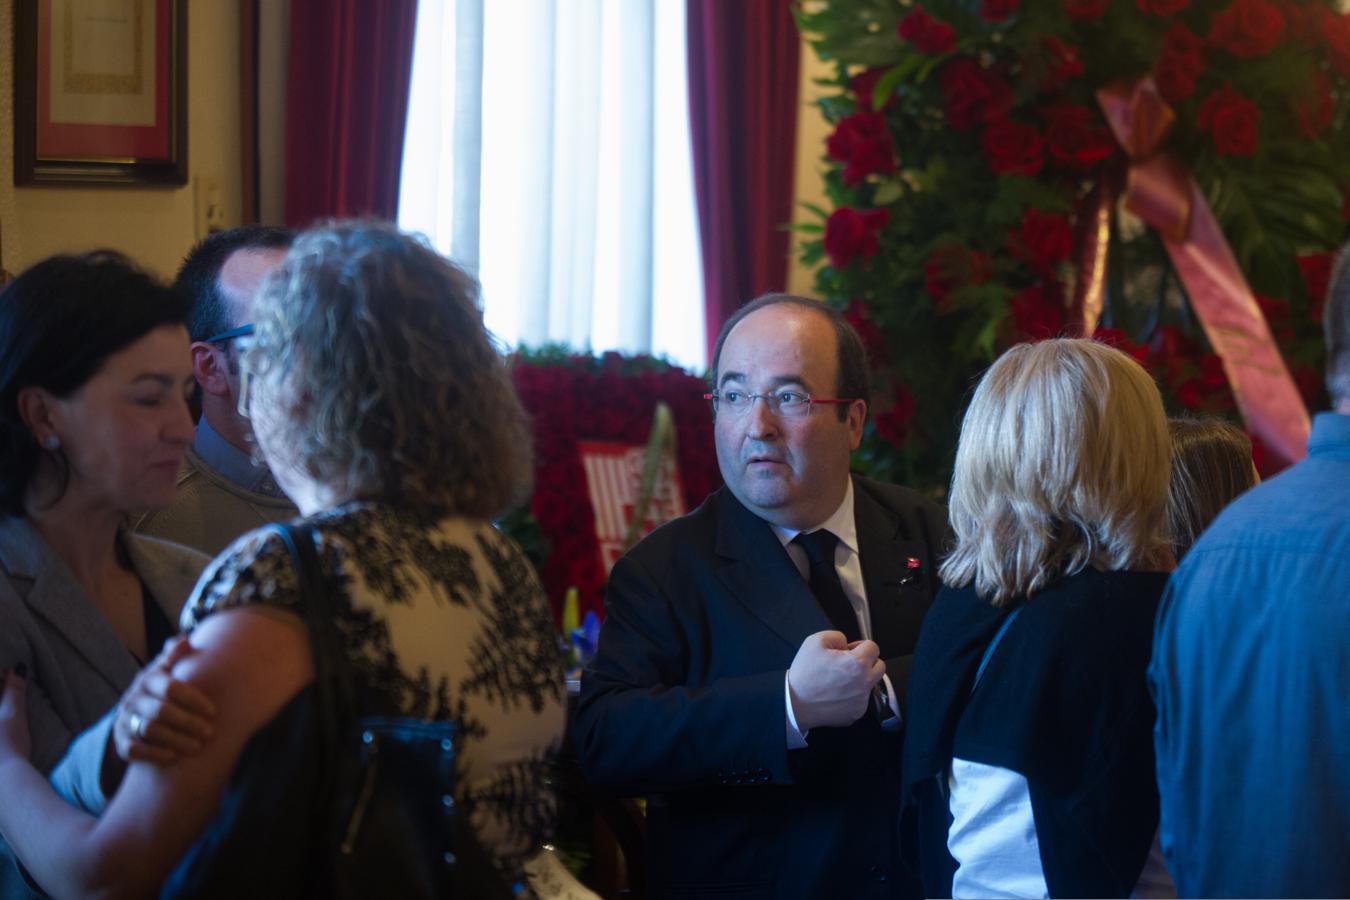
(847, 562)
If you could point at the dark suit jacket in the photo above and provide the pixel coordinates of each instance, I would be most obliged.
(684, 701)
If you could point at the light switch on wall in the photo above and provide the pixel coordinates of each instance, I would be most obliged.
(209, 199)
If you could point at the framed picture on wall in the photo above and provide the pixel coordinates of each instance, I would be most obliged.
(100, 92)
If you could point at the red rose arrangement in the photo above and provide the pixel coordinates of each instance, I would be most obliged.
(968, 140)
(863, 144)
(1232, 119)
(571, 398)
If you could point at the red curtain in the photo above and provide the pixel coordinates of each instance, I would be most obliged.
(743, 58)
(346, 106)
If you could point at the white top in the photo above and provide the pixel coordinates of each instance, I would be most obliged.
(993, 838)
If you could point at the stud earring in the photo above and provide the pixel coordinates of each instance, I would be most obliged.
(52, 442)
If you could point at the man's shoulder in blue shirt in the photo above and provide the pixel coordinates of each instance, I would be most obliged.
(1251, 676)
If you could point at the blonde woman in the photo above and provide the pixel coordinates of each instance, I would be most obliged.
(1029, 745)
(1211, 467)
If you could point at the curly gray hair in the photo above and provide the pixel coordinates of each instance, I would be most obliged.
(371, 349)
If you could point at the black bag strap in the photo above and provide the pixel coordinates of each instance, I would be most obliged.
(332, 676)
(993, 645)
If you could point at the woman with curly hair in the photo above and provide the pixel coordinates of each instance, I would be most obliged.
(383, 410)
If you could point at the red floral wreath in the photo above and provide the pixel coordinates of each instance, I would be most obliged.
(610, 398)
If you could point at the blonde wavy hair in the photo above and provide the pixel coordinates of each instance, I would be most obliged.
(1062, 463)
(371, 348)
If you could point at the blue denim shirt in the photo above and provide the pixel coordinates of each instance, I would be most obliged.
(1251, 677)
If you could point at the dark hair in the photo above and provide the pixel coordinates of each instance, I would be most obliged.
(855, 378)
(59, 322)
(1336, 323)
(1211, 466)
(199, 275)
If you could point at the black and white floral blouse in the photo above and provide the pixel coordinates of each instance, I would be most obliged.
(444, 615)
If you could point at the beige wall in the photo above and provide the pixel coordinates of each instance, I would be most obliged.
(155, 226)
(809, 184)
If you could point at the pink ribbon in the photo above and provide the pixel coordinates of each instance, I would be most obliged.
(1158, 189)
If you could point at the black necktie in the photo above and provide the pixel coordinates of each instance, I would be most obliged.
(824, 580)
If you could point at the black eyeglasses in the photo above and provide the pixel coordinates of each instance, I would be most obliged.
(230, 334)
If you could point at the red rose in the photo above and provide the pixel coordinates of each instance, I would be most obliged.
(1335, 30)
(1276, 312)
(1085, 10)
(1261, 458)
(863, 143)
(950, 268)
(1060, 62)
(927, 34)
(893, 425)
(1075, 139)
(872, 339)
(1119, 339)
(1317, 107)
(1305, 23)
(997, 10)
(1316, 270)
(1013, 148)
(1162, 7)
(1247, 28)
(1044, 240)
(1181, 62)
(1232, 119)
(864, 87)
(973, 94)
(1171, 349)
(1206, 390)
(1038, 312)
(852, 233)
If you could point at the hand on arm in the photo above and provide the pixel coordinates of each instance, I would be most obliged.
(250, 665)
(830, 682)
(160, 717)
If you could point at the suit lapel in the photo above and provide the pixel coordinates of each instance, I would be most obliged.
(758, 572)
(170, 571)
(55, 596)
(890, 576)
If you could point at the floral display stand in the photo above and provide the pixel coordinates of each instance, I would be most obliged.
(1004, 170)
(591, 419)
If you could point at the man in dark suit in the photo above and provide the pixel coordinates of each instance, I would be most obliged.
(750, 665)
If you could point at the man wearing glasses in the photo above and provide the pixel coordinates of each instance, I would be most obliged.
(750, 668)
(221, 492)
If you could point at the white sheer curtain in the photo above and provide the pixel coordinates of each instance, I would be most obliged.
(548, 152)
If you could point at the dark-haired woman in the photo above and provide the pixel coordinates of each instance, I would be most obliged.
(94, 373)
(384, 411)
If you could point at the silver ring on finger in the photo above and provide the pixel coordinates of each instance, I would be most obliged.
(137, 725)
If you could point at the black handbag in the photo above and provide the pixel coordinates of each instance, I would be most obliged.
(327, 803)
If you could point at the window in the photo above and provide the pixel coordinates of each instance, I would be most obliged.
(547, 151)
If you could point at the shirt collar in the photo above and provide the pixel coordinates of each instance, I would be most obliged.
(232, 463)
(1330, 436)
(841, 524)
